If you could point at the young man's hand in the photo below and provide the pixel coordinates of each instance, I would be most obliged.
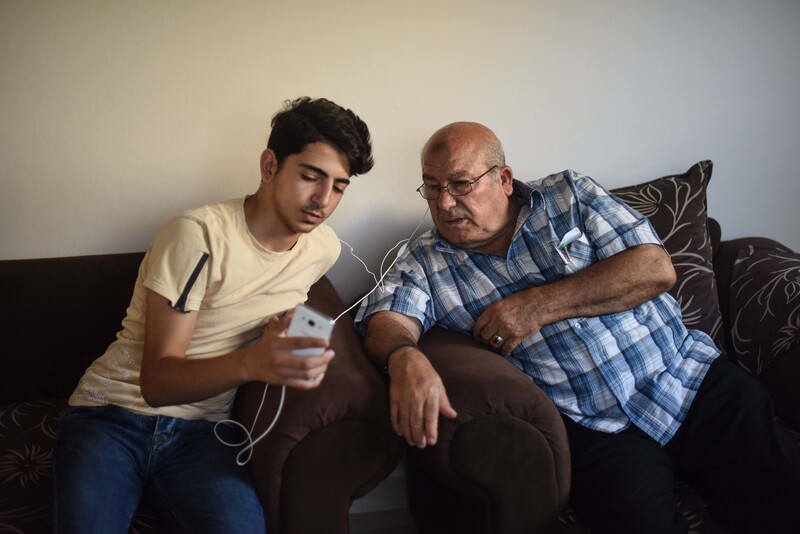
(272, 360)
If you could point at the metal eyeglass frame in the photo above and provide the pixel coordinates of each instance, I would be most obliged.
(459, 183)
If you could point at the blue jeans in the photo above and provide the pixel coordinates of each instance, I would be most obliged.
(106, 458)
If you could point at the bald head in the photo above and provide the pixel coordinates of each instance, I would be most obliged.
(470, 137)
(479, 215)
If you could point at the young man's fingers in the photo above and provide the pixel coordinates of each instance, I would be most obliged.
(291, 368)
(289, 360)
(292, 343)
(278, 324)
(299, 383)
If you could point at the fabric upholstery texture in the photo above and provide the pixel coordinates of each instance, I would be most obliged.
(59, 314)
(346, 418)
(676, 207)
(503, 463)
(764, 317)
(27, 430)
(77, 302)
(492, 396)
(756, 307)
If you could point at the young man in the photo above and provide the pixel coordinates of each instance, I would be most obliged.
(207, 316)
(642, 397)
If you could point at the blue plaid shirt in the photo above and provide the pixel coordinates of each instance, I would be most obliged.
(640, 365)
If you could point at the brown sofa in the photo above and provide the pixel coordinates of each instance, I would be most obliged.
(502, 466)
(330, 445)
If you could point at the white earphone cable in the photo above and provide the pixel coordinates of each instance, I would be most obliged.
(248, 439)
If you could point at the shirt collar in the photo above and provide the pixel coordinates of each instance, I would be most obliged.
(528, 193)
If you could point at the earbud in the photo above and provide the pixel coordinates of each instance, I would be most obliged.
(402, 249)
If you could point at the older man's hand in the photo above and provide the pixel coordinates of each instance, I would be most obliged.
(416, 398)
(513, 319)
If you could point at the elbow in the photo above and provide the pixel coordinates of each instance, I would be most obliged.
(152, 401)
(149, 397)
(656, 270)
(150, 391)
(666, 276)
(668, 281)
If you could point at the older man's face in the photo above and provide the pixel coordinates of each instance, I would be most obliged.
(475, 220)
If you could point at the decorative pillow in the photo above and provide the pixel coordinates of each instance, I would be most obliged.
(765, 305)
(676, 207)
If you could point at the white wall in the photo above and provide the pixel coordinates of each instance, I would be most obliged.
(116, 115)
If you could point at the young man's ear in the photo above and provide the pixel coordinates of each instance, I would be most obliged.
(269, 165)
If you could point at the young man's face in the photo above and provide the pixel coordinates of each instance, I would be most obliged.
(308, 186)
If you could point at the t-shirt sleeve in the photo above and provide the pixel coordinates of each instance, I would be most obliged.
(177, 264)
(329, 250)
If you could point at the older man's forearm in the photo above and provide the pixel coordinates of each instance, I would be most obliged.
(387, 332)
(618, 283)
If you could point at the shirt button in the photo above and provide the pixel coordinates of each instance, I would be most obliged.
(578, 326)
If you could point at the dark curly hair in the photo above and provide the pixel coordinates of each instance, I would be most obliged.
(305, 120)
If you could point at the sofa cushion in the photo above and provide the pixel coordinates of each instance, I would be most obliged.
(27, 430)
(676, 207)
(765, 306)
(764, 322)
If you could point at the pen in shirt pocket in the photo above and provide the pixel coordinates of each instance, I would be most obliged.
(563, 246)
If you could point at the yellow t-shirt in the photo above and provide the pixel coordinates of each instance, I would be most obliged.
(205, 260)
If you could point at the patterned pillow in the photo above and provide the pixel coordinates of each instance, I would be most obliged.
(676, 206)
(765, 305)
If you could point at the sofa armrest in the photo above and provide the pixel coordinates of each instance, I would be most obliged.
(507, 448)
(759, 287)
(724, 259)
(330, 444)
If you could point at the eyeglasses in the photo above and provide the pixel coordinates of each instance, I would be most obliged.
(457, 188)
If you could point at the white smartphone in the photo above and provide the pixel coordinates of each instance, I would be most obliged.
(308, 322)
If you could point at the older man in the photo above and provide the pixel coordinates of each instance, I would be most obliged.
(569, 283)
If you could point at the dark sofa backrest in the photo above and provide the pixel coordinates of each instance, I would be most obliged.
(57, 315)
